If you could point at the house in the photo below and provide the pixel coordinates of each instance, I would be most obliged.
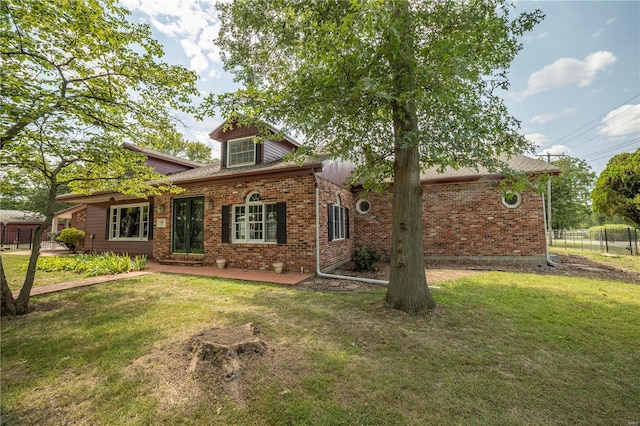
(253, 209)
(18, 226)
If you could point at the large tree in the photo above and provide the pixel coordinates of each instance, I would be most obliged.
(396, 86)
(617, 190)
(571, 193)
(173, 143)
(78, 79)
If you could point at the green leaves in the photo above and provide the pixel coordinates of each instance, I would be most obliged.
(330, 70)
(617, 190)
(78, 80)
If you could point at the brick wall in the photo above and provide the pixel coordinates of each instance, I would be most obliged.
(337, 251)
(79, 220)
(463, 220)
(298, 252)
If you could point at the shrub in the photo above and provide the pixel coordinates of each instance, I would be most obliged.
(71, 238)
(365, 258)
(92, 264)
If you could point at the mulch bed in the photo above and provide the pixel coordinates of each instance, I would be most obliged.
(568, 265)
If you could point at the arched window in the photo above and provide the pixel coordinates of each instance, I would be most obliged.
(256, 221)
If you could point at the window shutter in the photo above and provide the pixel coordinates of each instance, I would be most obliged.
(258, 153)
(330, 220)
(346, 223)
(107, 227)
(150, 235)
(225, 224)
(223, 154)
(281, 232)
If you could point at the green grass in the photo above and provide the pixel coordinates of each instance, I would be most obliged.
(58, 269)
(502, 348)
(622, 261)
(14, 267)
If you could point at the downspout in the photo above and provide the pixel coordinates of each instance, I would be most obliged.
(340, 277)
(546, 228)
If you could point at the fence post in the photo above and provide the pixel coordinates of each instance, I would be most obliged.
(3, 231)
(606, 241)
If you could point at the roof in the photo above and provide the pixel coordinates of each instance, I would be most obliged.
(215, 171)
(519, 163)
(161, 155)
(215, 133)
(20, 216)
(69, 211)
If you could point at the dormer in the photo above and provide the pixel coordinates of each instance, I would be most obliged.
(237, 148)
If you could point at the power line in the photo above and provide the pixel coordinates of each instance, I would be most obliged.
(598, 154)
(597, 136)
(595, 119)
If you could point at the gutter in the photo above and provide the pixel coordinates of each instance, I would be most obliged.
(340, 277)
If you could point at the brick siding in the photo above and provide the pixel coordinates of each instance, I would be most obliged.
(465, 219)
(298, 252)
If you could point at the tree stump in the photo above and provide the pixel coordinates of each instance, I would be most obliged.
(223, 348)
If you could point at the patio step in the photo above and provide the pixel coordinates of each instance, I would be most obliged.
(181, 262)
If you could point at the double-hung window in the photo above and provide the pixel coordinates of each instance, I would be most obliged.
(256, 221)
(338, 221)
(129, 222)
(241, 153)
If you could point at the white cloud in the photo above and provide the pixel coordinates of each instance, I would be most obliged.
(540, 36)
(568, 72)
(195, 23)
(556, 150)
(545, 118)
(538, 139)
(622, 121)
(597, 34)
(611, 20)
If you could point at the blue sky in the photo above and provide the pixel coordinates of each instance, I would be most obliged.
(575, 86)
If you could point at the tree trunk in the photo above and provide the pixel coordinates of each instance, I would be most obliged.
(7, 304)
(22, 303)
(408, 290)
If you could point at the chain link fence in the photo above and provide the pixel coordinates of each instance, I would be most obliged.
(620, 241)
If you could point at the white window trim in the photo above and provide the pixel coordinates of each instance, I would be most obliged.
(252, 162)
(246, 205)
(512, 206)
(119, 208)
(359, 206)
(339, 212)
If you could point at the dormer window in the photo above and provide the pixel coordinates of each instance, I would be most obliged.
(241, 152)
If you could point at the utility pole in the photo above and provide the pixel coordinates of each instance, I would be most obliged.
(550, 230)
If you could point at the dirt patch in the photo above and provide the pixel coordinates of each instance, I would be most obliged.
(437, 272)
(213, 364)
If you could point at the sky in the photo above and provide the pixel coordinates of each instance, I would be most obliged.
(575, 85)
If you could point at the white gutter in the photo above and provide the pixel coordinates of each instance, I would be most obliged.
(340, 277)
(546, 227)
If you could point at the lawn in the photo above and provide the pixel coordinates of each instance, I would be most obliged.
(621, 261)
(15, 269)
(501, 348)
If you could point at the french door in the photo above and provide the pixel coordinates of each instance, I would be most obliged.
(188, 225)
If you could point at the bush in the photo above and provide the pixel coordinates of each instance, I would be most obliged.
(365, 258)
(92, 264)
(617, 226)
(71, 238)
